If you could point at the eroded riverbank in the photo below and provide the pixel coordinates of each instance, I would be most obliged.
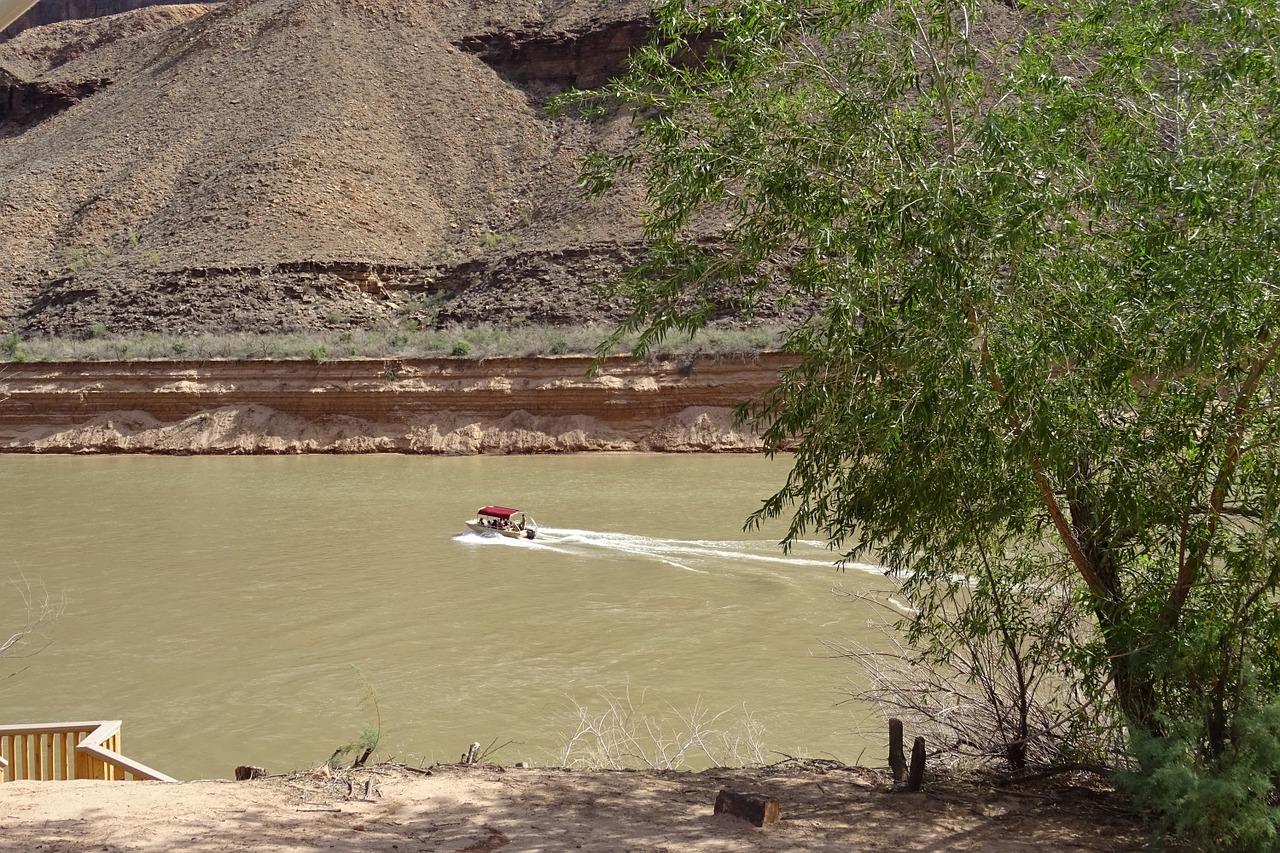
(429, 406)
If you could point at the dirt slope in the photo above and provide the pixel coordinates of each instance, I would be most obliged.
(479, 809)
(280, 164)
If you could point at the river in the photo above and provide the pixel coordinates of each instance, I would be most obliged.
(251, 610)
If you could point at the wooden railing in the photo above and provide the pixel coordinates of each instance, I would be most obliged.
(50, 751)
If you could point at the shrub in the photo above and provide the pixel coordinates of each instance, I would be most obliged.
(1225, 804)
(621, 732)
(475, 341)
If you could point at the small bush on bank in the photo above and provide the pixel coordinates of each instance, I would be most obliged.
(1225, 805)
(484, 341)
(11, 348)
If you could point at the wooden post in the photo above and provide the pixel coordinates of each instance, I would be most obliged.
(1016, 752)
(83, 770)
(754, 808)
(897, 759)
(915, 777)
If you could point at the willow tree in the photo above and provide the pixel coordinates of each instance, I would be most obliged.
(1044, 240)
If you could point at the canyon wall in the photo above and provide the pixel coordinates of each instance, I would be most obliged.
(433, 406)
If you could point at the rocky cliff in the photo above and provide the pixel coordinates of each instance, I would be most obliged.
(55, 11)
(441, 406)
(268, 165)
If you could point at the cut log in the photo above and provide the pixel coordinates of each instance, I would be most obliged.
(754, 808)
(244, 772)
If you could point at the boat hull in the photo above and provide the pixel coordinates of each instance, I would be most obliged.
(510, 532)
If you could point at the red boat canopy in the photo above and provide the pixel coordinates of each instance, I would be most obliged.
(498, 511)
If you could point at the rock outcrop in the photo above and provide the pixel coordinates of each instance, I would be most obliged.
(584, 54)
(435, 406)
(23, 103)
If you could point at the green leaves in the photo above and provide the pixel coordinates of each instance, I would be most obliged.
(1046, 250)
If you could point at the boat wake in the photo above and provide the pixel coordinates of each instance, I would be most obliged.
(702, 556)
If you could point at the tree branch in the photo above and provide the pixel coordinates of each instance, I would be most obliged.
(1065, 533)
(1189, 570)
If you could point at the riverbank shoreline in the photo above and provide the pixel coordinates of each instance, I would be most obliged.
(389, 808)
(442, 406)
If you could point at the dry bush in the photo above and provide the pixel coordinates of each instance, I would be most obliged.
(25, 628)
(970, 707)
(619, 733)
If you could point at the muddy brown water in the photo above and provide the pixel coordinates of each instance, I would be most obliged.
(265, 610)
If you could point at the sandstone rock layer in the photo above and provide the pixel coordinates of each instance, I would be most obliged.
(433, 406)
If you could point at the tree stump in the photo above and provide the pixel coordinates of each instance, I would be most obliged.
(1016, 753)
(244, 772)
(915, 776)
(897, 758)
(753, 808)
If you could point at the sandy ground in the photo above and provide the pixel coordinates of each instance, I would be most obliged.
(474, 809)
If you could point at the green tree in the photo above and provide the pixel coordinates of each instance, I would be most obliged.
(1044, 240)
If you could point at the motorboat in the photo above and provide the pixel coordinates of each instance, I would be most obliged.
(503, 520)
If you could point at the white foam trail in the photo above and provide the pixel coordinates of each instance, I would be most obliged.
(683, 554)
(869, 568)
(544, 543)
(680, 553)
